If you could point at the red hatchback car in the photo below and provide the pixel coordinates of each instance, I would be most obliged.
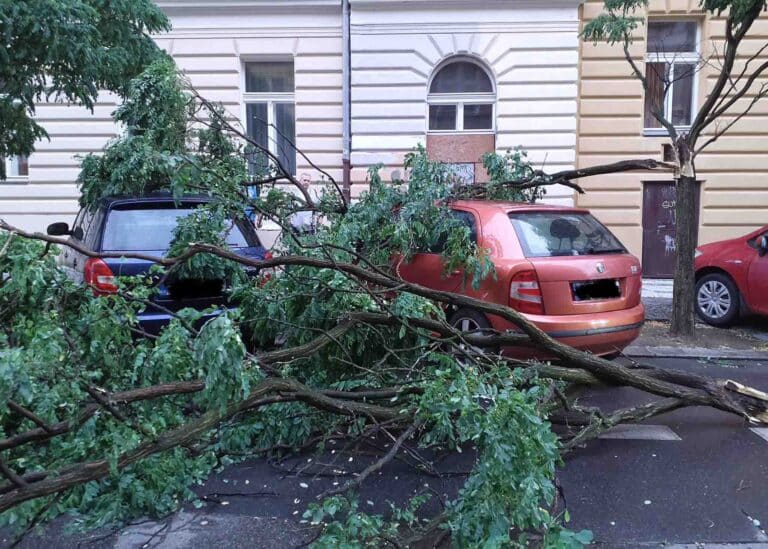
(732, 278)
(559, 266)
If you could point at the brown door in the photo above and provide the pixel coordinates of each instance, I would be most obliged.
(659, 229)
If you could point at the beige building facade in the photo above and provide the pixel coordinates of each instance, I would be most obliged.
(680, 45)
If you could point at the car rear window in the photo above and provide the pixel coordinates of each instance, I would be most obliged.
(151, 229)
(549, 234)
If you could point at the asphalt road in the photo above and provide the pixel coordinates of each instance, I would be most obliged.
(695, 476)
(710, 486)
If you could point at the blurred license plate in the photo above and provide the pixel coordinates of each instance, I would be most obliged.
(609, 288)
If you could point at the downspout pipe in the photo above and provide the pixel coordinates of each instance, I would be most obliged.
(346, 100)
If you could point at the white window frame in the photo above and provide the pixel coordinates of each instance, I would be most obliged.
(461, 99)
(271, 99)
(675, 58)
(12, 169)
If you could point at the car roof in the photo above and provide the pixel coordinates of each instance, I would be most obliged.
(159, 197)
(508, 207)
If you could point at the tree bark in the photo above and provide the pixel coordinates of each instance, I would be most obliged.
(686, 213)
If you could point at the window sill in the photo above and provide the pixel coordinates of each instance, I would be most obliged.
(662, 132)
(461, 132)
(15, 180)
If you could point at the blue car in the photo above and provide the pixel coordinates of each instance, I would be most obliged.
(145, 225)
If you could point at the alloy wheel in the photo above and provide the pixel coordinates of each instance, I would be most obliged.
(714, 299)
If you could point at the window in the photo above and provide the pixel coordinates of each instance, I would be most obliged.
(556, 234)
(468, 220)
(270, 111)
(461, 98)
(671, 66)
(17, 166)
(151, 229)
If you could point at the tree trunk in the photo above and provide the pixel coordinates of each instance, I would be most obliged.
(686, 213)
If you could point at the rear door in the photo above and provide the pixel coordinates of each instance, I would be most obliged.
(72, 260)
(582, 268)
(428, 269)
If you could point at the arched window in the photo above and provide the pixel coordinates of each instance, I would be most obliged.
(461, 98)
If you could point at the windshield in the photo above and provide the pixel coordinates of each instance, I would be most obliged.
(151, 229)
(547, 234)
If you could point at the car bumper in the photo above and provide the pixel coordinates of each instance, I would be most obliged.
(154, 322)
(600, 334)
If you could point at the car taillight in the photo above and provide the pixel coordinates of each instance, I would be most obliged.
(99, 277)
(525, 293)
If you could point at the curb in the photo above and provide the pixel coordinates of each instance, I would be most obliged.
(693, 352)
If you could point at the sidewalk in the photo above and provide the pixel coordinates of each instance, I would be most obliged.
(748, 340)
(657, 298)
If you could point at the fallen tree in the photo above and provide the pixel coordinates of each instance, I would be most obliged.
(110, 425)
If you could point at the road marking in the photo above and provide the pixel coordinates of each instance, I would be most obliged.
(710, 545)
(628, 431)
(762, 432)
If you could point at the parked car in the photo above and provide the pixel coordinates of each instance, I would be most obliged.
(732, 278)
(145, 225)
(558, 265)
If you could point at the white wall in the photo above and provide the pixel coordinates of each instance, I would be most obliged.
(531, 49)
(209, 41)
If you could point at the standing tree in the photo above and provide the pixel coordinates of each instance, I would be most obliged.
(67, 50)
(617, 24)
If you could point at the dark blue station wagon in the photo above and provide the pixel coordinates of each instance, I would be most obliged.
(145, 226)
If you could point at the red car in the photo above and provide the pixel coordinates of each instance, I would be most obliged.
(558, 265)
(732, 278)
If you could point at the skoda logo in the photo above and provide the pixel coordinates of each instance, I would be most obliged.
(600, 267)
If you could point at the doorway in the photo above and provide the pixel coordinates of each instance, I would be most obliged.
(660, 228)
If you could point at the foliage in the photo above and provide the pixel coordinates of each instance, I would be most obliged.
(616, 23)
(346, 527)
(511, 484)
(68, 50)
(148, 156)
(740, 11)
(511, 166)
(62, 343)
(206, 225)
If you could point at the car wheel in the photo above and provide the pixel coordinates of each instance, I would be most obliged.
(717, 299)
(468, 320)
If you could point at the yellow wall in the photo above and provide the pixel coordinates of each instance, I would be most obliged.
(734, 169)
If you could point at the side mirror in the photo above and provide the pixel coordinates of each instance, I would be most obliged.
(762, 245)
(58, 229)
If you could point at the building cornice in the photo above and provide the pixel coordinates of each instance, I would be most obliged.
(271, 5)
(458, 4)
(447, 28)
(290, 5)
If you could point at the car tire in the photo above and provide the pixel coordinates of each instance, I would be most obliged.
(717, 300)
(468, 320)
